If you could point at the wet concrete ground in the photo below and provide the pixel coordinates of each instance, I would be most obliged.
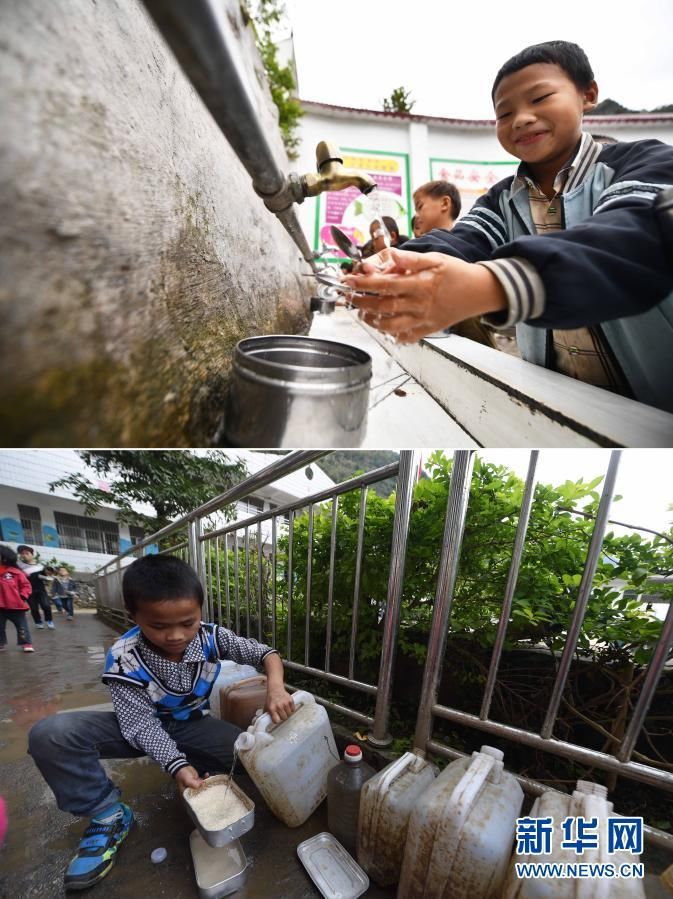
(64, 673)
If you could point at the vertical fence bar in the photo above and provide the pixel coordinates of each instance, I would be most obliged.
(517, 553)
(237, 586)
(454, 526)
(247, 582)
(196, 557)
(219, 580)
(227, 593)
(208, 563)
(330, 585)
(259, 581)
(120, 593)
(406, 478)
(356, 588)
(654, 669)
(273, 581)
(309, 567)
(583, 594)
(290, 538)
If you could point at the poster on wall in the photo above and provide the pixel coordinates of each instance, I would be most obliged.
(472, 177)
(352, 211)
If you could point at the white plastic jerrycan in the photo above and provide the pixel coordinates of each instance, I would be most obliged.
(589, 800)
(386, 803)
(461, 832)
(289, 761)
(229, 673)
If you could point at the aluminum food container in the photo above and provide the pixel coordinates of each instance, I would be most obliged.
(219, 872)
(289, 391)
(217, 838)
(336, 874)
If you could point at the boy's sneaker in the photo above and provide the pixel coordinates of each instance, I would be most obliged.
(28, 647)
(70, 617)
(97, 851)
(50, 625)
(3, 647)
(40, 626)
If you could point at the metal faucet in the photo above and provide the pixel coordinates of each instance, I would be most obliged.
(332, 175)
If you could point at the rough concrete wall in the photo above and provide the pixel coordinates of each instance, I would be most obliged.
(134, 250)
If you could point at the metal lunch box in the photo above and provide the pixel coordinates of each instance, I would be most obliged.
(333, 870)
(218, 838)
(219, 871)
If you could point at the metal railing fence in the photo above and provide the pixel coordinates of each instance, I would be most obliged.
(251, 586)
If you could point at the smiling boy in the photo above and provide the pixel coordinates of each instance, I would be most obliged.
(160, 674)
(568, 250)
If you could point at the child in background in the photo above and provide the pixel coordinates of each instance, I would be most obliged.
(160, 674)
(64, 590)
(48, 577)
(437, 205)
(38, 597)
(14, 590)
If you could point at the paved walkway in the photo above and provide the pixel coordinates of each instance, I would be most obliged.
(64, 673)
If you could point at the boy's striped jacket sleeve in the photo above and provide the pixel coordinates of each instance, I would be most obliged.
(611, 265)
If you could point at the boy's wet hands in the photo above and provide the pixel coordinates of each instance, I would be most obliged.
(279, 705)
(420, 293)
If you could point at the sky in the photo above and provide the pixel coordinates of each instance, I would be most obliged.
(447, 54)
(644, 479)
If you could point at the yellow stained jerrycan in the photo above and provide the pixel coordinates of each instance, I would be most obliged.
(461, 831)
(386, 803)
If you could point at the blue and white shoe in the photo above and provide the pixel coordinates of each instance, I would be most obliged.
(97, 851)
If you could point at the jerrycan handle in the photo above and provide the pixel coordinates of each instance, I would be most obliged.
(264, 723)
(461, 801)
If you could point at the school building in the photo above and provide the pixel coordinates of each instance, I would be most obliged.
(54, 523)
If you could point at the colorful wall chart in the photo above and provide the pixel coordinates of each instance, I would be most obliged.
(473, 178)
(352, 211)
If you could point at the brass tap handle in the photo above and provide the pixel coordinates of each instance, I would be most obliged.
(327, 152)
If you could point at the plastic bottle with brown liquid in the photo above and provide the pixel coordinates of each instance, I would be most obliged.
(344, 783)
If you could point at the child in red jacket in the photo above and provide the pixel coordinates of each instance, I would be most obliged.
(14, 589)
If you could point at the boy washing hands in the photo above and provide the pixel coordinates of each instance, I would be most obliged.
(568, 250)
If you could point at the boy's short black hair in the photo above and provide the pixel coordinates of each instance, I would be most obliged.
(568, 56)
(157, 578)
(438, 189)
(8, 556)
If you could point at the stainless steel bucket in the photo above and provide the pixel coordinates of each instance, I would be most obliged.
(289, 391)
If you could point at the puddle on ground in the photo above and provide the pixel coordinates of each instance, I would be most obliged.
(25, 711)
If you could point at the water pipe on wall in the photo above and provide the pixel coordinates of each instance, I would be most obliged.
(201, 36)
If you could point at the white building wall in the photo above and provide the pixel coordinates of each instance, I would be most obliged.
(424, 138)
(10, 497)
(25, 476)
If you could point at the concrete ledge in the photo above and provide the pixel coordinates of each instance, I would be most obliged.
(502, 401)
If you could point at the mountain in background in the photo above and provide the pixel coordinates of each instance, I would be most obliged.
(612, 107)
(341, 466)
